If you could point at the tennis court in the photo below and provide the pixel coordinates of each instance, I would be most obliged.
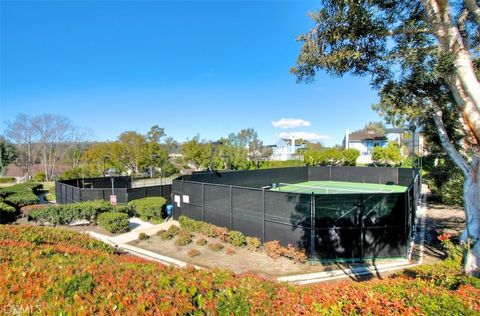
(337, 187)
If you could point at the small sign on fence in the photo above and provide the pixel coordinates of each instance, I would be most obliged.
(113, 199)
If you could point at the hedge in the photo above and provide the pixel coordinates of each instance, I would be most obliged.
(92, 280)
(7, 213)
(22, 194)
(114, 222)
(7, 179)
(65, 214)
(149, 207)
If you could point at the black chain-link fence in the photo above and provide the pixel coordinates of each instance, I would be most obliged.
(348, 227)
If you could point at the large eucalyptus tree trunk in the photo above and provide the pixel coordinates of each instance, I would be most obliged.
(471, 235)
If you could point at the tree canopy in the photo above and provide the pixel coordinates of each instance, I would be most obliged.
(423, 58)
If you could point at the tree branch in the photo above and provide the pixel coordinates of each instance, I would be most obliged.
(474, 10)
(445, 140)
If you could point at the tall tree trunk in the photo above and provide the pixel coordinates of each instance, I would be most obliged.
(471, 235)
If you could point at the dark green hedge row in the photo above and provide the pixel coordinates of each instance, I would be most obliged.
(7, 213)
(22, 194)
(65, 214)
(114, 222)
(149, 208)
(7, 179)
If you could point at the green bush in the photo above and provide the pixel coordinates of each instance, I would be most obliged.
(39, 176)
(170, 233)
(7, 213)
(184, 238)
(114, 222)
(65, 214)
(21, 194)
(125, 208)
(253, 243)
(7, 179)
(143, 236)
(149, 208)
(236, 238)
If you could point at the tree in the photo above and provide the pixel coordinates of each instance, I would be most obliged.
(196, 152)
(155, 134)
(8, 154)
(22, 132)
(350, 156)
(422, 57)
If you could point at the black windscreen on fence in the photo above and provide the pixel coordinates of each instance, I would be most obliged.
(247, 211)
(328, 226)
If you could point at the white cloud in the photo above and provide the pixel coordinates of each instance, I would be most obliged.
(304, 136)
(290, 123)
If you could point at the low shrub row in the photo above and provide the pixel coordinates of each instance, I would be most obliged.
(275, 250)
(150, 208)
(7, 179)
(93, 280)
(236, 238)
(114, 222)
(65, 214)
(22, 194)
(7, 213)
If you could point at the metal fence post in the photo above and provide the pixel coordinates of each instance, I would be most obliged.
(203, 201)
(263, 212)
(312, 227)
(231, 209)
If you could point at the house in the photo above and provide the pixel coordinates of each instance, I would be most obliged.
(364, 142)
(286, 149)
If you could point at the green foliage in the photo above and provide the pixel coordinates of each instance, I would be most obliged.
(445, 180)
(184, 238)
(39, 176)
(236, 238)
(168, 234)
(143, 236)
(387, 156)
(331, 157)
(196, 152)
(8, 154)
(7, 179)
(32, 256)
(149, 208)
(66, 213)
(21, 194)
(114, 222)
(7, 213)
(253, 243)
(281, 164)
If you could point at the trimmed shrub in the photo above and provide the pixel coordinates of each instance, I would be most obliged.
(222, 233)
(149, 207)
(253, 243)
(184, 238)
(236, 238)
(202, 242)
(193, 253)
(65, 214)
(273, 249)
(295, 254)
(7, 179)
(216, 247)
(114, 222)
(22, 194)
(143, 236)
(125, 208)
(7, 213)
(170, 233)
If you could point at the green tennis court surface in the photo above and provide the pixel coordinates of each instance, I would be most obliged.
(338, 187)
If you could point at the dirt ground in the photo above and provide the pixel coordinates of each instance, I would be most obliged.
(441, 219)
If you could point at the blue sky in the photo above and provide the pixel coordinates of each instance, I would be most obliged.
(191, 67)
